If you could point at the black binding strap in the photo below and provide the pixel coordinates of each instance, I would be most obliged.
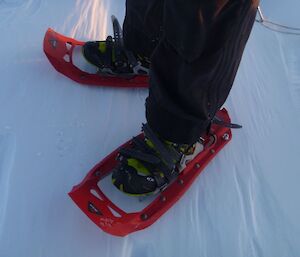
(169, 157)
(120, 49)
(141, 144)
(107, 58)
(218, 121)
(144, 157)
(119, 44)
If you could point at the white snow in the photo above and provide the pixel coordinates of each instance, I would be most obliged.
(52, 131)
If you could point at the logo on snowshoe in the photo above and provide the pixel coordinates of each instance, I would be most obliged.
(93, 209)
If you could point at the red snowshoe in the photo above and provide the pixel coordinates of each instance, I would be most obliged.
(90, 197)
(60, 51)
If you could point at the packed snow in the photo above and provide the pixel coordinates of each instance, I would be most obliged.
(53, 131)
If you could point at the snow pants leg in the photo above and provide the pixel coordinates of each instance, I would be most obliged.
(195, 47)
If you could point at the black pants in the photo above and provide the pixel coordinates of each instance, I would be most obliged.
(195, 48)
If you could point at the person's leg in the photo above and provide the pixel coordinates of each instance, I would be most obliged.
(194, 65)
(142, 25)
(192, 71)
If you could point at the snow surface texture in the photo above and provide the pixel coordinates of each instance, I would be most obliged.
(52, 131)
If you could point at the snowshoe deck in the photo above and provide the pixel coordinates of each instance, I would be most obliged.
(117, 222)
(59, 50)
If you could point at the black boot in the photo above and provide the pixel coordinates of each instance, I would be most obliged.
(151, 164)
(111, 56)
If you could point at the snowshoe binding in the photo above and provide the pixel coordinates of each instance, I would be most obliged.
(115, 65)
(150, 164)
(112, 58)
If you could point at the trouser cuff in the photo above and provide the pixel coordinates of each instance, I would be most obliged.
(172, 127)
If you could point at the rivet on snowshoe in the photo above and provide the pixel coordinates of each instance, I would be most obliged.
(197, 165)
(144, 216)
(163, 198)
(180, 182)
(98, 173)
(119, 157)
(53, 42)
(226, 137)
(212, 151)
